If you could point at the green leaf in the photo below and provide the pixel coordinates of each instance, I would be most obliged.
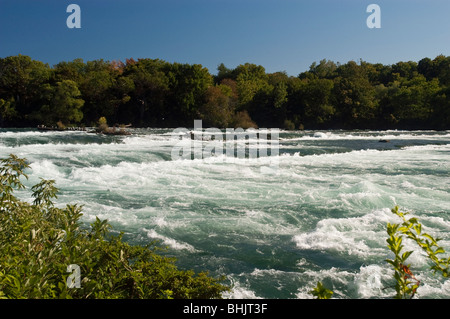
(428, 236)
(321, 292)
(406, 255)
(418, 228)
(392, 262)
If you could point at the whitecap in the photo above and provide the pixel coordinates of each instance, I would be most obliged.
(362, 236)
(171, 242)
(239, 291)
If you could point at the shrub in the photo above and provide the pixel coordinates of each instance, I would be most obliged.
(406, 283)
(320, 292)
(243, 120)
(39, 241)
(102, 124)
(289, 125)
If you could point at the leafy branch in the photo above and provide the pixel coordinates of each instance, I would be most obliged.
(320, 292)
(406, 283)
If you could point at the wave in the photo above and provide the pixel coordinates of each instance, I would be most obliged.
(360, 236)
(371, 135)
(239, 291)
(370, 152)
(315, 217)
(28, 133)
(172, 243)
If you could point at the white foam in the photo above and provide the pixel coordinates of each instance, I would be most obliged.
(46, 169)
(370, 135)
(238, 291)
(26, 134)
(333, 275)
(322, 135)
(216, 199)
(433, 287)
(172, 243)
(114, 215)
(360, 236)
(370, 281)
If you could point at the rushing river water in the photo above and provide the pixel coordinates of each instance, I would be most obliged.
(321, 215)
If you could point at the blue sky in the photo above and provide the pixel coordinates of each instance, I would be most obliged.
(281, 35)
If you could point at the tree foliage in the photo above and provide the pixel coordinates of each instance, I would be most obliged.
(64, 104)
(156, 93)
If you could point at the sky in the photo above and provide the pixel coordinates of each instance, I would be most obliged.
(280, 35)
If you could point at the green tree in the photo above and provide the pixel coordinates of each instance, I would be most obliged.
(96, 86)
(7, 111)
(411, 102)
(427, 68)
(444, 70)
(21, 83)
(64, 104)
(440, 117)
(251, 79)
(219, 107)
(255, 94)
(294, 104)
(354, 97)
(317, 101)
(150, 85)
(438, 68)
(406, 70)
(188, 85)
(223, 73)
(326, 69)
(70, 70)
(121, 94)
(150, 92)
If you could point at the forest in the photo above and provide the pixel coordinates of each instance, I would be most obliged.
(156, 93)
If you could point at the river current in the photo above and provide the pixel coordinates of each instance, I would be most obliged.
(319, 215)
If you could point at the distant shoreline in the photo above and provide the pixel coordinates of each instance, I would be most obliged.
(90, 128)
(156, 93)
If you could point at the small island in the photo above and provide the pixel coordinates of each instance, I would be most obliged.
(117, 129)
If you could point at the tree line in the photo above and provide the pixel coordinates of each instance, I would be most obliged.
(156, 93)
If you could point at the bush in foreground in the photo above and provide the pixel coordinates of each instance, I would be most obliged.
(39, 242)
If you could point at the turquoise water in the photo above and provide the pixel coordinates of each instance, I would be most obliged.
(321, 215)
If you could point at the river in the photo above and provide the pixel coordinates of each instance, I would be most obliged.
(274, 232)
